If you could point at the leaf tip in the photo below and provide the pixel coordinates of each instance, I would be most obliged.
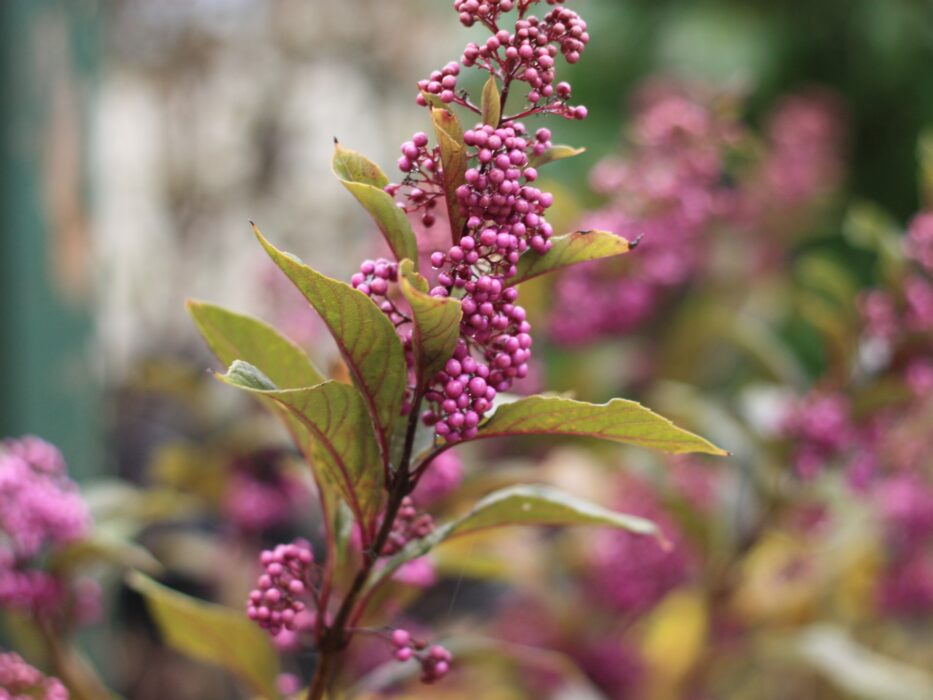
(634, 244)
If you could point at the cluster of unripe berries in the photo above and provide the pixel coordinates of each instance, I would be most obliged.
(276, 601)
(435, 660)
(408, 525)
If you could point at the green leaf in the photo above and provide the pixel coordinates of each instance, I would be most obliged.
(570, 249)
(247, 376)
(436, 324)
(453, 163)
(541, 505)
(555, 153)
(492, 103)
(347, 455)
(433, 100)
(521, 505)
(619, 421)
(213, 634)
(232, 336)
(365, 337)
(365, 181)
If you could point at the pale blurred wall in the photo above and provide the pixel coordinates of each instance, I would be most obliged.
(213, 113)
(139, 139)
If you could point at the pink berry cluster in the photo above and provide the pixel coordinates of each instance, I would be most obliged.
(502, 212)
(528, 54)
(40, 510)
(260, 495)
(679, 190)
(822, 431)
(435, 660)
(20, 681)
(890, 314)
(629, 574)
(374, 280)
(283, 586)
(409, 524)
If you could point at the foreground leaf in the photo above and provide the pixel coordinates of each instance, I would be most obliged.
(521, 505)
(436, 324)
(858, 671)
(345, 448)
(492, 103)
(365, 337)
(555, 153)
(570, 249)
(232, 336)
(212, 633)
(453, 164)
(365, 181)
(619, 421)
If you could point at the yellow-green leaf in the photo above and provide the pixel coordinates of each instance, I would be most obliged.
(453, 163)
(618, 420)
(365, 181)
(101, 546)
(492, 103)
(570, 249)
(365, 337)
(232, 336)
(525, 504)
(555, 153)
(213, 634)
(436, 323)
(337, 418)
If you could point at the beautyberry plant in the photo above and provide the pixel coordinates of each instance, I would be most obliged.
(430, 355)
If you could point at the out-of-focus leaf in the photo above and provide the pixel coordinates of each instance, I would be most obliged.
(925, 155)
(453, 163)
(618, 420)
(336, 416)
(827, 276)
(860, 672)
(869, 227)
(555, 153)
(103, 547)
(232, 336)
(365, 181)
(570, 249)
(521, 505)
(213, 634)
(674, 640)
(364, 335)
(492, 103)
(436, 323)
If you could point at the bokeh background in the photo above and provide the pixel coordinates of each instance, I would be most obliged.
(141, 137)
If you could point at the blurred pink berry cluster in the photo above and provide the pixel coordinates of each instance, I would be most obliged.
(20, 681)
(682, 181)
(40, 512)
(884, 449)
